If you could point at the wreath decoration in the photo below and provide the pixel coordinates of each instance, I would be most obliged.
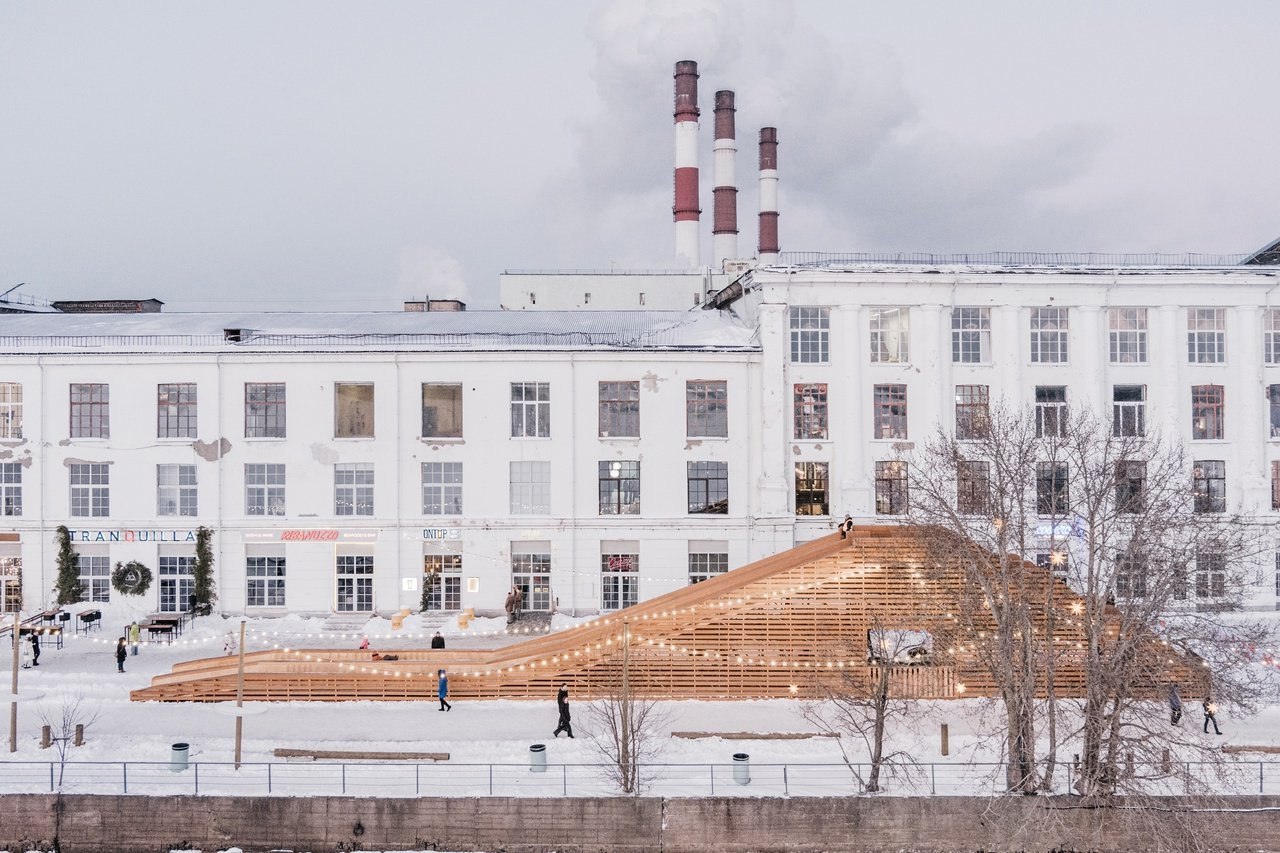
(131, 578)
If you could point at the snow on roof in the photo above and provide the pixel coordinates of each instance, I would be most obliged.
(431, 331)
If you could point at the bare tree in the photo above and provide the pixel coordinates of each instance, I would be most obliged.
(862, 703)
(1148, 549)
(623, 729)
(62, 725)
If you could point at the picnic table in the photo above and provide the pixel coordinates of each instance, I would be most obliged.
(163, 624)
(89, 620)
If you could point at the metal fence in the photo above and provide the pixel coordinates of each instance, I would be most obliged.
(738, 779)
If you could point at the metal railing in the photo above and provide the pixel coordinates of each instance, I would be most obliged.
(409, 779)
(1193, 260)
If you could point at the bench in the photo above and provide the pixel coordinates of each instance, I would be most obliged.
(359, 755)
(165, 628)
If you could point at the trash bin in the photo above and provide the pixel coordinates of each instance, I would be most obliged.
(538, 758)
(178, 757)
(742, 768)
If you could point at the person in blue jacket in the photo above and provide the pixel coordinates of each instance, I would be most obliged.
(442, 688)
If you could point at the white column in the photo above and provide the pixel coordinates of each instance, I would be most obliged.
(1090, 385)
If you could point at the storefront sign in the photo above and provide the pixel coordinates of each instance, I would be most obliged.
(441, 533)
(132, 535)
(318, 534)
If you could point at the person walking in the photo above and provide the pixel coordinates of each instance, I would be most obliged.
(562, 705)
(510, 606)
(35, 649)
(442, 689)
(1175, 705)
(135, 633)
(122, 654)
(437, 642)
(1210, 715)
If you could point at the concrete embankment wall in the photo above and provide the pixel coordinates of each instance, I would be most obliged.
(116, 824)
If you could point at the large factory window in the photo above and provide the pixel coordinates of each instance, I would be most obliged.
(352, 410)
(441, 411)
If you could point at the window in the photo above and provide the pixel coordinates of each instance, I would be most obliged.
(355, 583)
(1051, 411)
(619, 580)
(1131, 486)
(891, 488)
(1127, 328)
(442, 488)
(531, 572)
(95, 577)
(264, 581)
(353, 488)
(442, 411)
(1129, 410)
(176, 490)
(177, 582)
(1209, 485)
(1273, 401)
(704, 565)
(11, 488)
(90, 489)
(1054, 557)
(264, 410)
(90, 411)
(10, 410)
(970, 335)
(973, 488)
(708, 488)
(1275, 485)
(1131, 577)
(1051, 488)
(810, 335)
(1206, 335)
(263, 489)
(176, 410)
(889, 335)
(1207, 412)
(619, 409)
(706, 409)
(10, 584)
(530, 409)
(353, 410)
(1048, 335)
(442, 581)
(889, 411)
(973, 411)
(810, 403)
(530, 488)
(1271, 336)
(811, 488)
(619, 487)
(1211, 575)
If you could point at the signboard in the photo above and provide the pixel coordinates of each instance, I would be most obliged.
(314, 534)
(441, 533)
(132, 535)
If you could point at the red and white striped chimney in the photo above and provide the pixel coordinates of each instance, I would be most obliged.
(724, 210)
(686, 208)
(767, 251)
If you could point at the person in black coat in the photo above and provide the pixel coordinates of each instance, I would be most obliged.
(122, 654)
(437, 642)
(1210, 715)
(35, 649)
(562, 704)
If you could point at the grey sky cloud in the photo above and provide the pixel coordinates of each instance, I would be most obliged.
(350, 155)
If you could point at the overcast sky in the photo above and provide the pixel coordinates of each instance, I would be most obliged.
(350, 155)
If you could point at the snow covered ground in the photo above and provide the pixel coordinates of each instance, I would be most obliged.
(129, 744)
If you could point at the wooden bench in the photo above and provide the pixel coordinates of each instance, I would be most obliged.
(754, 735)
(165, 628)
(89, 620)
(359, 755)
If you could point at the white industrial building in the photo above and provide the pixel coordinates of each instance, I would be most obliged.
(593, 458)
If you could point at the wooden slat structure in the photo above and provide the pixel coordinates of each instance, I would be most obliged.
(779, 627)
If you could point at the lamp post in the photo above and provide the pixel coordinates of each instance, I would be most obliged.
(13, 704)
(240, 696)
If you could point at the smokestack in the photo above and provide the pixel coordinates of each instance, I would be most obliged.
(724, 210)
(767, 251)
(686, 208)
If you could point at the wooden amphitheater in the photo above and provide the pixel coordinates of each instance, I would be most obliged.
(785, 626)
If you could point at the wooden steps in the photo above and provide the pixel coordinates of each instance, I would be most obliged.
(789, 625)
